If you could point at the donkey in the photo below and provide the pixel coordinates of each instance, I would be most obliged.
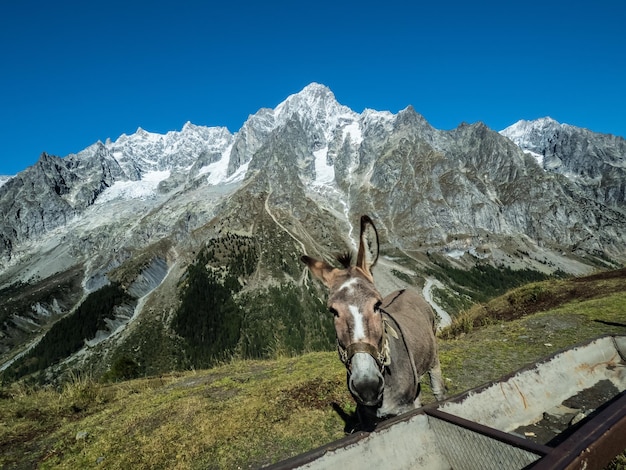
(386, 344)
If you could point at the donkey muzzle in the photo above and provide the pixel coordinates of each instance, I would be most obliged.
(365, 381)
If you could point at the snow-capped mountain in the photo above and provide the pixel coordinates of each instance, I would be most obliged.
(596, 163)
(536, 135)
(138, 211)
(175, 151)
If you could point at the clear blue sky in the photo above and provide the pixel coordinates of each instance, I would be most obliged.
(75, 72)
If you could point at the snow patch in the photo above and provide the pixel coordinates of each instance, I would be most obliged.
(324, 173)
(354, 131)
(536, 156)
(218, 170)
(144, 189)
(238, 175)
(455, 254)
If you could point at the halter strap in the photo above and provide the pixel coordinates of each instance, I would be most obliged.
(382, 357)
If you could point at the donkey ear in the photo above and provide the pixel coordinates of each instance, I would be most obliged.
(368, 245)
(319, 269)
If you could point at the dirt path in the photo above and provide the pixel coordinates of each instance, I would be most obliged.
(445, 319)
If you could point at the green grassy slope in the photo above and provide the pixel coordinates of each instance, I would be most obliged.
(251, 413)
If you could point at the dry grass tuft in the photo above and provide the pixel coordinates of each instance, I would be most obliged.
(248, 414)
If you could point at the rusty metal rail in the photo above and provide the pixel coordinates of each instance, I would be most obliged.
(594, 443)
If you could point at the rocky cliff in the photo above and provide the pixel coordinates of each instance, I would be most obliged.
(140, 210)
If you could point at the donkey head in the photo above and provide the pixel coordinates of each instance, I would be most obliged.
(355, 303)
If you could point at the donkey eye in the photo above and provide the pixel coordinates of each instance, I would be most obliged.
(377, 307)
(333, 311)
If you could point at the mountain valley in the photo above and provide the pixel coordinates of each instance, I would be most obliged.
(162, 220)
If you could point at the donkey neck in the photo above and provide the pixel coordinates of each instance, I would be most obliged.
(401, 359)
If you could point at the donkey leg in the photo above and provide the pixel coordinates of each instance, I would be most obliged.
(437, 384)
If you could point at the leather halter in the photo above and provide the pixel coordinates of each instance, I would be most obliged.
(382, 356)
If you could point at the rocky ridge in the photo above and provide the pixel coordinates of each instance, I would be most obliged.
(295, 179)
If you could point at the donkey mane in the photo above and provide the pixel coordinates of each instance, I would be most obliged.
(345, 259)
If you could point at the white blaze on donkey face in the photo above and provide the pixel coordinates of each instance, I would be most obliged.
(365, 382)
(349, 284)
(358, 333)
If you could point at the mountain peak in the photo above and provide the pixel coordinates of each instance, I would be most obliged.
(144, 134)
(547, 120)
(312, 96)
(408, 113)
(531, 135)
(142, 209)
(524, 126)
(316, 88)
(4, 179)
